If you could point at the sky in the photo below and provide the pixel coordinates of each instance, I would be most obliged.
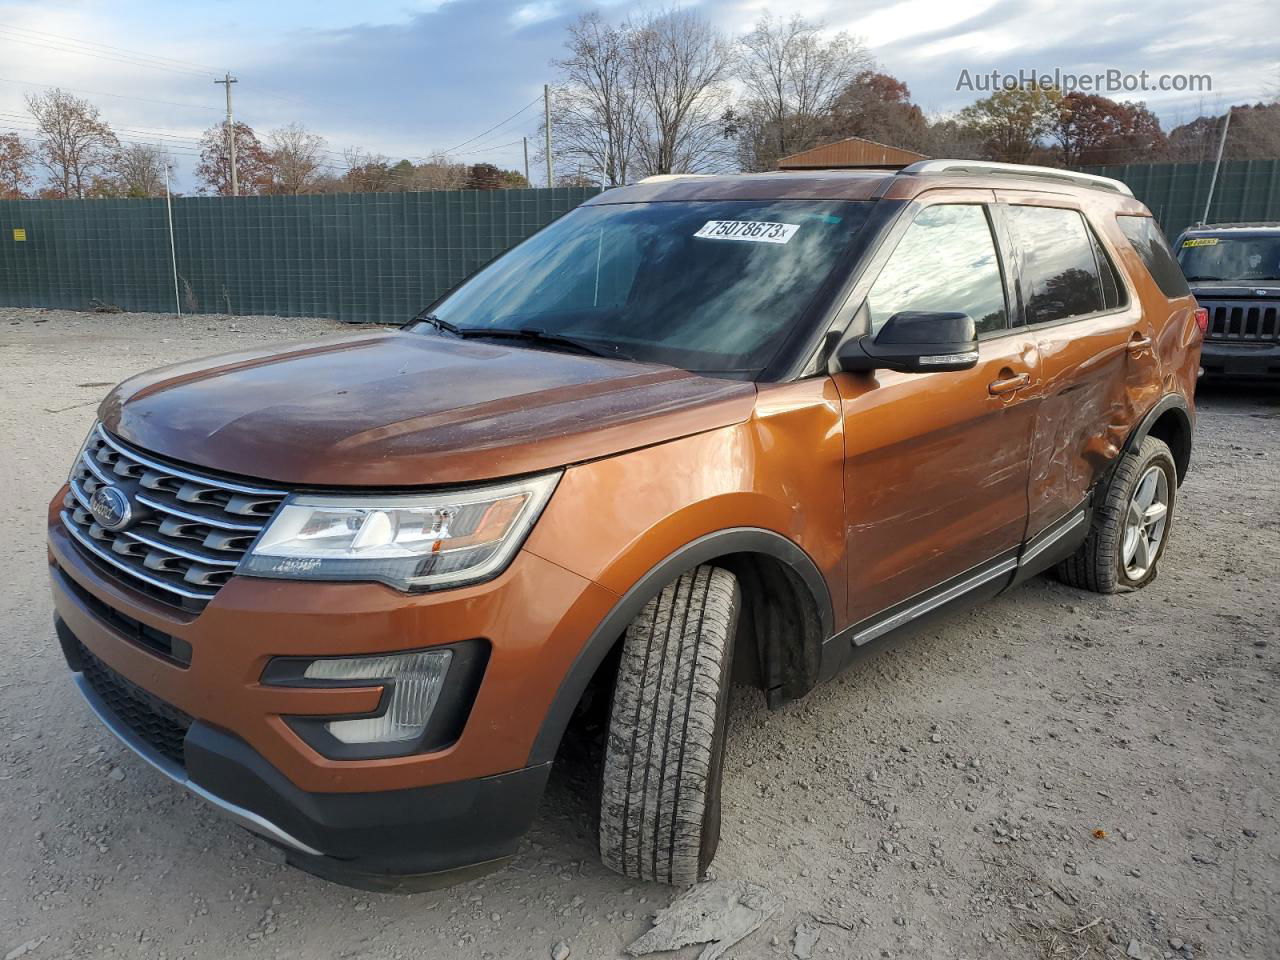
(408, 79)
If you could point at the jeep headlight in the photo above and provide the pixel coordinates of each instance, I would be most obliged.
(420, 542)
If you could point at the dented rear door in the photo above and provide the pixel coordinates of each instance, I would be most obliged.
(1093, 357)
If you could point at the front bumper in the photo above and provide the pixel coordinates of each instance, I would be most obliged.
(390, 840)
(1240, 360)
(398, 822)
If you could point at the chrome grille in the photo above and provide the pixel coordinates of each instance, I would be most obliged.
(1247, 321)
(192, 528)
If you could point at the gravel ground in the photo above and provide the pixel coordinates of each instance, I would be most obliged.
(1054, 774)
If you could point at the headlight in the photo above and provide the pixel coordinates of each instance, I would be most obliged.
(419, 542)
(413, 681)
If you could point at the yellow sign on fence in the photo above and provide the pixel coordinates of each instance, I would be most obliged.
(19, 234)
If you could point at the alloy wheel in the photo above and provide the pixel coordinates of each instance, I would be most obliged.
(1146, 521)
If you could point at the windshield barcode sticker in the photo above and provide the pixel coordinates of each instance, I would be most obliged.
(753, 231)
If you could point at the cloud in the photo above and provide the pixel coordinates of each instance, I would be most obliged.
(408, 81)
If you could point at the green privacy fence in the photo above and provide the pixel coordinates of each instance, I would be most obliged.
(1247, 190)
(369, 257)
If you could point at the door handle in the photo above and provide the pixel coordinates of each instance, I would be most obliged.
(1009, 384)
(1138, 342)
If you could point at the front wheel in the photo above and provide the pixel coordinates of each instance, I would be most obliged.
(660, 799)
(1130, 524)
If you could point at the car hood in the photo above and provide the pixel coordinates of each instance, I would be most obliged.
(401, 409)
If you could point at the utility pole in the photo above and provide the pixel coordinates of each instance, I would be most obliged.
(173, 255)
(526, 161)
(1213, 181)
(546, 110)
(231, 136)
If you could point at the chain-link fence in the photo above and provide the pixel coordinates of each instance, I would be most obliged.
(369, 257)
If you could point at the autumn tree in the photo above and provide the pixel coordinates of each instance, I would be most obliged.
(253, 164)
(296, 158)
(74, 143)
(15, 166)
(877, 106)
(792, 72)
(1012, 123)
(1254, 134)
(1092, 129)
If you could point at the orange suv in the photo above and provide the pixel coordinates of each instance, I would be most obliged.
(352, 592)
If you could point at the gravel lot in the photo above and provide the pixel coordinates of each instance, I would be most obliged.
(1054, 774)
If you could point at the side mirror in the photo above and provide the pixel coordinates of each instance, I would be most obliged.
(915, 342)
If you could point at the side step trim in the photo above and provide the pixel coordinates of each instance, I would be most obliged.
(246, 818)
(1048, 540)
(934, 601)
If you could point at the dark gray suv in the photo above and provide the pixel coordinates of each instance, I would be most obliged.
(1234, 272)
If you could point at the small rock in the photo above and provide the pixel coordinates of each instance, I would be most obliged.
(1142, 951)
(806, 939)
(935, 738)
(560, 951)
(116, 774)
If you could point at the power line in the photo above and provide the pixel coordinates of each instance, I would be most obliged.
(99, 93)
(68, 47)
(493, 128)
(107, 46)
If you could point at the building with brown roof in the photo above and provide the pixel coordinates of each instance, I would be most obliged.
(851, 152)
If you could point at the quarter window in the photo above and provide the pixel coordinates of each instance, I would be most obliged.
(945, 263)
(1144, 233)
(1060, 277)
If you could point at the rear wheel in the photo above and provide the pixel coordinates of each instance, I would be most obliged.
(1130, 524)
(660, 797)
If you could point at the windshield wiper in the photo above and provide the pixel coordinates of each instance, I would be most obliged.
(531, 335)
(439, 324)
(1194, 279)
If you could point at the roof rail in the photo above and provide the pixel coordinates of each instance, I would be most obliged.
(979, 167)
(664, 177)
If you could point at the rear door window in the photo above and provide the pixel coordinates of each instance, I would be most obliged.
(945, 263)
(1149, 242)
(1060, 275)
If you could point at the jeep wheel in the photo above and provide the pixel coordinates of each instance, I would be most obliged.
(1130, 524)
(660, 798)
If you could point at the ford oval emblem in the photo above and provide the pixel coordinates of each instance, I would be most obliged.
(110, 506)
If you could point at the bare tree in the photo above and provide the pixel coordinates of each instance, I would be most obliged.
(792, 73)
(437, 172)
(138, 171)
(75, 143)
(15, 166)
(681, 66)
(367, 172)
(297, 159)
(595, 119)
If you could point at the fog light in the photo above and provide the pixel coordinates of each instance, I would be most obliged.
(412, 680)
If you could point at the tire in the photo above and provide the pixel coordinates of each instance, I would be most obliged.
(664, 753)
(1103, 562)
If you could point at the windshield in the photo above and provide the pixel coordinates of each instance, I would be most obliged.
(714, 287)
(1230, 258)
